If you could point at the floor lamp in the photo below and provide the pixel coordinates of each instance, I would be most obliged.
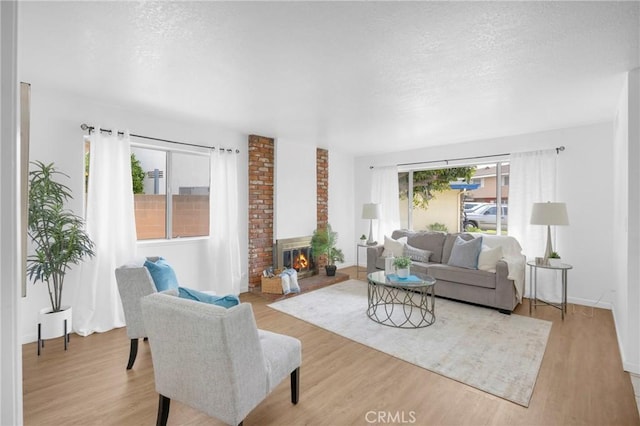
(371, 211)
(549, 214)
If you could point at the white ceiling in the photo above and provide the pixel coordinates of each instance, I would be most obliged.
(361, 77)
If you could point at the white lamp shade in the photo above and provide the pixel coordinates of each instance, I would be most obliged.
(371, 211)
(549, 214)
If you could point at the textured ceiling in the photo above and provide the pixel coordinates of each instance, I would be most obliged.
(361, 77)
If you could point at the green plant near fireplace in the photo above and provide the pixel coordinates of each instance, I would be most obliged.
(323, 243)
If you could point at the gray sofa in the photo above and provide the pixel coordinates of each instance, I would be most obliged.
(485, 288)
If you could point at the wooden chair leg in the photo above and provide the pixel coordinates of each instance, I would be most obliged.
(132, 353)
(295, 385)
(163, 411)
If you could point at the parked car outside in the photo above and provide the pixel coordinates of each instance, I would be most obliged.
(471, 206)
(484, 217)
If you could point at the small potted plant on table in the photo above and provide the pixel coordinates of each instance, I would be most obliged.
(402, 264)
(554, 259)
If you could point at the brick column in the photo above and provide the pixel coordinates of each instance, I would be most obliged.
(322, 189)
(322, 179)
(261, 162)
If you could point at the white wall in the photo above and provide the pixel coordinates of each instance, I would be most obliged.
(295, 189)
(620, 212)
(631, 359)
(341, 207)
(627, 226)
(585, 179)
(56, 137)
(10, 348)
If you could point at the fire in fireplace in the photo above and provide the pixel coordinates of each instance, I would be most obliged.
(295, 253)
(300, 262)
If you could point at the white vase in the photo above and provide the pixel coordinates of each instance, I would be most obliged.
(52, 325)
(402, 272)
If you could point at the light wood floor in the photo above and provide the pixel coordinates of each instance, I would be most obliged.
(581, 382)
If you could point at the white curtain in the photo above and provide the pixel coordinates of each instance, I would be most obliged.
(224, 242)
(110, 222)
(384, 190)
(533, 180)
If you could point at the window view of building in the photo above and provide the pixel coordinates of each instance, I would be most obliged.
(175, 201)
(455, 199)
(171, 192)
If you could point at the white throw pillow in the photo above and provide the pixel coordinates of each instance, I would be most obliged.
(393, 247)
(489, 257)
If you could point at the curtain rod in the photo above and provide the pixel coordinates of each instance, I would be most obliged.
(90, 129)
(558, 150)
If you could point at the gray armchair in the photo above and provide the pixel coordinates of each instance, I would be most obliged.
(215, 359)
(134, 282)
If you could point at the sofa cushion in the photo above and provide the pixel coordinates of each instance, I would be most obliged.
(419, 267)
(448, 244)
(471, 277)
(416, 254)
(465, 254)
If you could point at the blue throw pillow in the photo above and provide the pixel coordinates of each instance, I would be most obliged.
(224, 301)
(464, 254)
(162, 274)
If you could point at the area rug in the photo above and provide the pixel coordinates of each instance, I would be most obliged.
(496, 353)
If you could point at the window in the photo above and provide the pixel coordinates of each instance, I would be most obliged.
(175, 198)
(164, 178)
(405, 205)
(428, 202)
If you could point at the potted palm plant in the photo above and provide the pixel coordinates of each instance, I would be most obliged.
(59, 241)
(323, 243)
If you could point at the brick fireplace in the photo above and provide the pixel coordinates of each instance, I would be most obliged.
(261, 203)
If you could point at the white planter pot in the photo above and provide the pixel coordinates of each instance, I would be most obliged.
(52, 325)
(555, 262)
(403, 273)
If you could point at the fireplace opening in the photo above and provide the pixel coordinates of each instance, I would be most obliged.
(295, 253)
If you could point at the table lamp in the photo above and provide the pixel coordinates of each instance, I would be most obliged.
(549, 214)
(371, 211)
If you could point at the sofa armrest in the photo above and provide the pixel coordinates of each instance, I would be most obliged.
(373, 253)
(505, 289)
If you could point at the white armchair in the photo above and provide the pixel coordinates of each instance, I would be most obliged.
(215, 359)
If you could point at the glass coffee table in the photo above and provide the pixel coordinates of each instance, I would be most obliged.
(401, 303)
